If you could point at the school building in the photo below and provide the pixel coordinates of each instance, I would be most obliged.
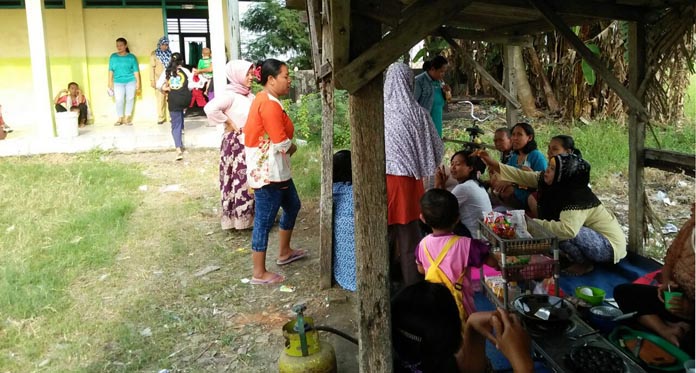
(48, 43)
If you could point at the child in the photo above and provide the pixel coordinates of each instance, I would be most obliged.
(561, 144)
(427, 334)
(466, 168)
(176, 82)
(205, 72)
(439, 210)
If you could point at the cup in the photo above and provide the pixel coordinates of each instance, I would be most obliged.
(689, 366)
(669, 295)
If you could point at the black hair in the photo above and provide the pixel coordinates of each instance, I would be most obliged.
(567, 142)
(527, 128)
(473, 161)
(124, 41)
(71, 83)
(426, 328)
(504, 130)
(174, 63)
(440, 209)
(341, 167)
(270, 67)
(436, 63)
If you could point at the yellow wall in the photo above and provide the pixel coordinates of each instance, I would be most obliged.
(79, 42)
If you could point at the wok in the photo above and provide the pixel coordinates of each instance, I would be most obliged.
(528, 305)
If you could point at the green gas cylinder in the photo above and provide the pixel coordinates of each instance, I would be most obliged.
(303, 351)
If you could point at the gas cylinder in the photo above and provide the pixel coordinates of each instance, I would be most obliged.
(303, 351)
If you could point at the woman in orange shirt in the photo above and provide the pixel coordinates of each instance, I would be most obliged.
(268, 146)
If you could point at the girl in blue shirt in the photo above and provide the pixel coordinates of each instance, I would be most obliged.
(124, 81)
(525, 156)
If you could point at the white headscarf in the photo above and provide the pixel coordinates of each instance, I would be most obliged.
(412, 145)
(236, 72)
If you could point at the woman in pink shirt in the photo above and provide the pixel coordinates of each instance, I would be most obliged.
(232, 108)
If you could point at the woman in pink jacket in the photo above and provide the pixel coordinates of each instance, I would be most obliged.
(231, 107)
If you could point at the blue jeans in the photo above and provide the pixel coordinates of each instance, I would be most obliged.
(177, 126)
(127, 91)
(269, 200)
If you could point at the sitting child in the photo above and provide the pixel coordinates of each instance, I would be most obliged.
(444, 251)
(427, 335)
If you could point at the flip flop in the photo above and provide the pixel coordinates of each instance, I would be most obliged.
(295, 255)
(273, 280)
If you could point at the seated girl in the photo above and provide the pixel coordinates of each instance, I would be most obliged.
(470, 191)
(673, 320)
(561, 144)
(525, 156)
(587, 231)
(343, 225)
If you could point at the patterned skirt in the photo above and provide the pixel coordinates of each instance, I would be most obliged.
(237, 198)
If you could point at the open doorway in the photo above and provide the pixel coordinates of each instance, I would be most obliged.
(189, 33)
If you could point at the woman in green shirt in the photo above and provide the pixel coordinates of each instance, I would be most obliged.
(124, 81)
(587, 232)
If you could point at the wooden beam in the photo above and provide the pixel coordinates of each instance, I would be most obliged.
(627, 96)
(428, 15)
(457, 33)
(383, 11)
(338, 12)
(509, 79)
(480, 69)
(670, 161)
(315, 29)
(588, 9)
(326, 197)
(636, 142)
(533, 27)
(370, 201)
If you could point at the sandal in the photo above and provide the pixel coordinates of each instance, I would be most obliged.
(294, 255)
(276, 279)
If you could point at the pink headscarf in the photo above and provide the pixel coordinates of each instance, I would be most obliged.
(236, 72)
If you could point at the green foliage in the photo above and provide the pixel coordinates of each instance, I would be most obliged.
(690, 103)
(587, 71)
(280, 32)
(306, 116)
(432, 46)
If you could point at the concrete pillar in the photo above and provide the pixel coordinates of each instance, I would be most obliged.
(235, 29)
(42, 114)
(216, 17)
(77, 46)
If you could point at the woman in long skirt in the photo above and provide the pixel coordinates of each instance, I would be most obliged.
(231, 107)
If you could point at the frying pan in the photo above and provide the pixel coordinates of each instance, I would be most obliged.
(528, 305)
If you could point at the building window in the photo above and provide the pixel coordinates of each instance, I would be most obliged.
(183, 4)
(48, 4)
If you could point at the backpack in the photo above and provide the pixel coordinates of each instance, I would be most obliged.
(436, 275)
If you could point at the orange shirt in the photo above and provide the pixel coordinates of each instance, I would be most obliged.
(267, 116)
(267, 138)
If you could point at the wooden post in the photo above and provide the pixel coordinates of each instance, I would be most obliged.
(509, 82)
(327, 113)
(636, 140)
(481, 70)
(369, 195)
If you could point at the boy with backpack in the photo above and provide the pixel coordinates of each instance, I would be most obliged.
(445, 257)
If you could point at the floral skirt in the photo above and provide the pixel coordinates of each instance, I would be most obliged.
(237, 198)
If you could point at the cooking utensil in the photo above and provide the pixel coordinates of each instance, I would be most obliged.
(625, 316)
(581, 336)
(636, 349)
(602, 317)
(544, 313)
(595, 359)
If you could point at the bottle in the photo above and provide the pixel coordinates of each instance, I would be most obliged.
(110, 92)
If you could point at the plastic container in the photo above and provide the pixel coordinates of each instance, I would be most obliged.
(690, 366)
(626, 334)
(597, 297)
(66, 124)
(602, 317)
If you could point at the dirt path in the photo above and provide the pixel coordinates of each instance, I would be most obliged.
(155, 313)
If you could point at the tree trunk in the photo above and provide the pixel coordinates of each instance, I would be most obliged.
(524, 90)
(548, 91)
